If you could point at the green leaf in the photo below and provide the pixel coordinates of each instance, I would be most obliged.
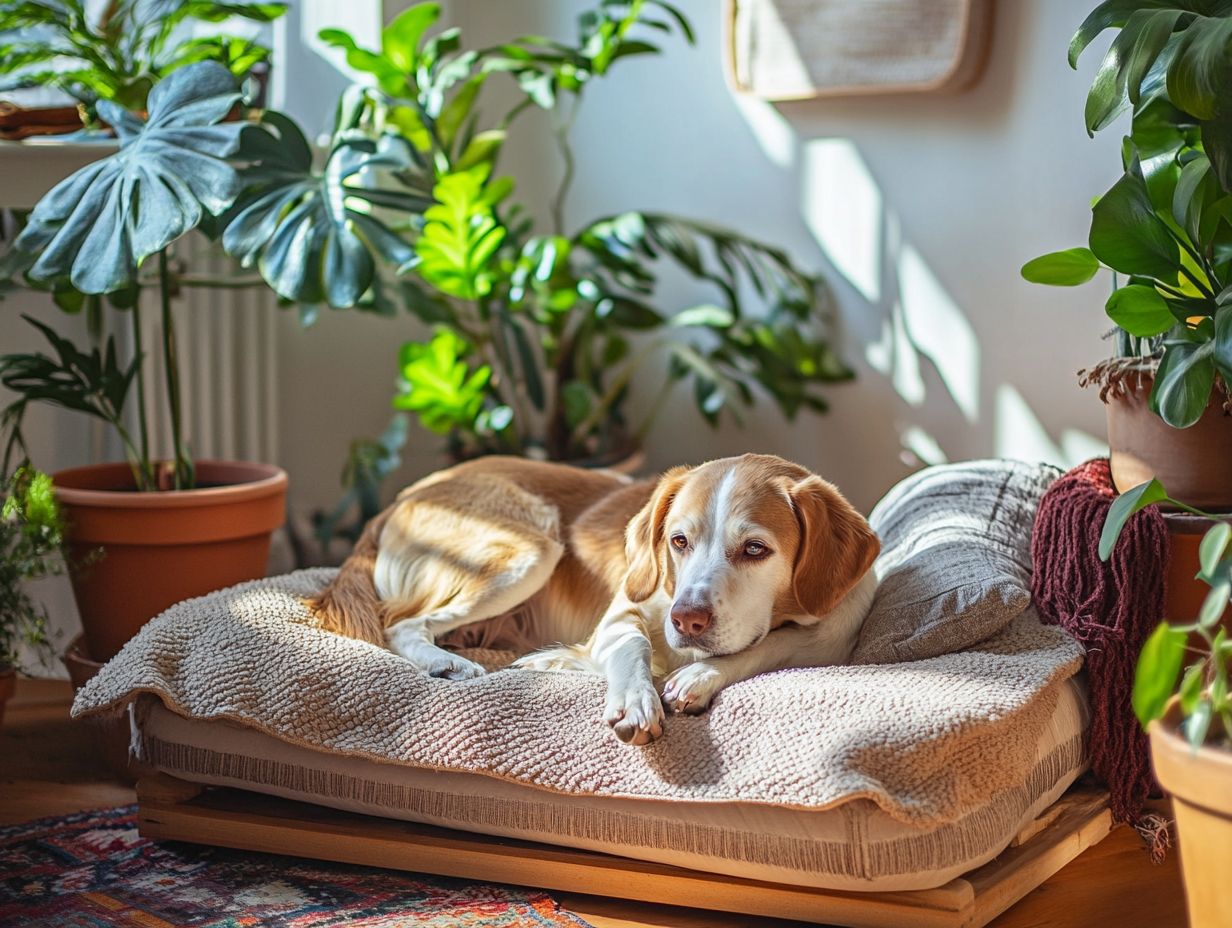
(400, 39)
(709, 316)
(439, 386)
(482, 149)
(1159, 665)
(1216, 602)
(1198, 75)
(461, 234)
(1140, 311)
(314, 236)
(1223, 341)
(1191, 687)
(96, 226)
(1124, 506)
(1182, 388)
(1067, 268)
(1214, 544)
(1198, 724)
(1129, 237)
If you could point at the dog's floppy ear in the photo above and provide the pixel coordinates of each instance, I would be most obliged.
(837, 546)
(645, 546)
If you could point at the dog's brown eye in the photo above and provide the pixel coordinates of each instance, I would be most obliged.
(680, 542)
(755, 549)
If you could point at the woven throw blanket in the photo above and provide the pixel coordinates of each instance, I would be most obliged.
(927, 741)
(1111, 608)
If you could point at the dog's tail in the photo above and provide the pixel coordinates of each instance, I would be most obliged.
(350, 604)
(565, 657)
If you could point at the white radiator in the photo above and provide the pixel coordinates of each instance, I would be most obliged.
(228, 364)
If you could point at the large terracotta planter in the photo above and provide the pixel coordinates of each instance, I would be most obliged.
(1192, 463)
(1201, 786)
(134, 554)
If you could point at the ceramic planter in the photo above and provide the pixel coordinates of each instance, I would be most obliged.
(1201, 786)
(1192, 463)
(134, 554)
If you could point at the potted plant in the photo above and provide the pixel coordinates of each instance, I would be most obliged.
(536, 337)
(119, 53)
(30, 536)
(167, 530)
(1181, 696)
(1165, 231)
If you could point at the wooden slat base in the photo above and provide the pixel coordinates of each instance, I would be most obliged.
(176, 810)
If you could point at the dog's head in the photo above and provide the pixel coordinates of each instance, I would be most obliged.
(742, 545)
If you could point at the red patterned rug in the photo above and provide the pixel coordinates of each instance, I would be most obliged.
(92, 870)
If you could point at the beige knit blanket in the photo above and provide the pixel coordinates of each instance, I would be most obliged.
(927, 741)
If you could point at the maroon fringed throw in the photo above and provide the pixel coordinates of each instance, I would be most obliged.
(1110, 608)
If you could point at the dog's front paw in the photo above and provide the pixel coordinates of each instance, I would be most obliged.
(690, 688)
(448, 666)
(636, 715)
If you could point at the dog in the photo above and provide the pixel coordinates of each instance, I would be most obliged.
(704, 577)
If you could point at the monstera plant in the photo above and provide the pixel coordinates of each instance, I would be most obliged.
(536, 336)
(95, 230)
(1165, 227)
(95, 236)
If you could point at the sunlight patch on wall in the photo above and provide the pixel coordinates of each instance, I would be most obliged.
(773, 133)
(921, 446)
(1078, 446)
(939, 330)
(893, 355)
(843, 208)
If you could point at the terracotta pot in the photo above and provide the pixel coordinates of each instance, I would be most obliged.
(1201, 786)
(1186, 592)
(134, 554)
(1192, 463)
(8, 683)
(110, 732)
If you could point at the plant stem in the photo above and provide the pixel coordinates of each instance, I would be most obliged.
(143, 473)
(613, 391)
(183, 466)
(566, 178)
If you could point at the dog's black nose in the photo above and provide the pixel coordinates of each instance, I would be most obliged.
(691, 619)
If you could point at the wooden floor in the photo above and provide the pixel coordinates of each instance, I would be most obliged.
(49, 766)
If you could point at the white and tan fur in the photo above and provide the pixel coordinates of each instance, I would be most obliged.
(704, 577)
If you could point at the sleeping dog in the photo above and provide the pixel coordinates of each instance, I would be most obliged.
(701, 578)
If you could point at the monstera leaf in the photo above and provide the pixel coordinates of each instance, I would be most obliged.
(98, 225)
(314, 235)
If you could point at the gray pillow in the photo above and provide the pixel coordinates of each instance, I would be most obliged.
(955, 565)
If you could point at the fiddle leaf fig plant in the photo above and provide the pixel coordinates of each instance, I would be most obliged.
(96, 229)
(120, 50)
(1165, 227)
(1201, 686)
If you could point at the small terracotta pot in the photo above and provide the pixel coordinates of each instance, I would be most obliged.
(1201, 786)
(110, 732)
(1192, 463)
(1186, 592)
(132, 554)
(8, 684)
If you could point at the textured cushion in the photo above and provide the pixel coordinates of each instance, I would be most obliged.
(955, 566)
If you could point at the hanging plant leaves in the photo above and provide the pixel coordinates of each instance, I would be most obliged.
(1128, 236)
(315, 236)
(96, 226)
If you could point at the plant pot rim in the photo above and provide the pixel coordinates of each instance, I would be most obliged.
(110, 485)
(1165, 733)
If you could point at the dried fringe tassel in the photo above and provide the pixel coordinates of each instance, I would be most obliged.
(1110, 608)
(1155, 830)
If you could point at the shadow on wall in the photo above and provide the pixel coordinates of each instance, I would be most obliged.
(925, 367)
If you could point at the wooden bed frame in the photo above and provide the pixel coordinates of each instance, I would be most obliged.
(175, 809)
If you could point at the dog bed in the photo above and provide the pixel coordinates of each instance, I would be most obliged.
(941, 747)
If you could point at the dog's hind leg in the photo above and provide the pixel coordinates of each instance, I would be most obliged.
(442, 566)
(414, 637)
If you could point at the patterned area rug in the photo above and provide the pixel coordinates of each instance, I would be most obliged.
(92, 870)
